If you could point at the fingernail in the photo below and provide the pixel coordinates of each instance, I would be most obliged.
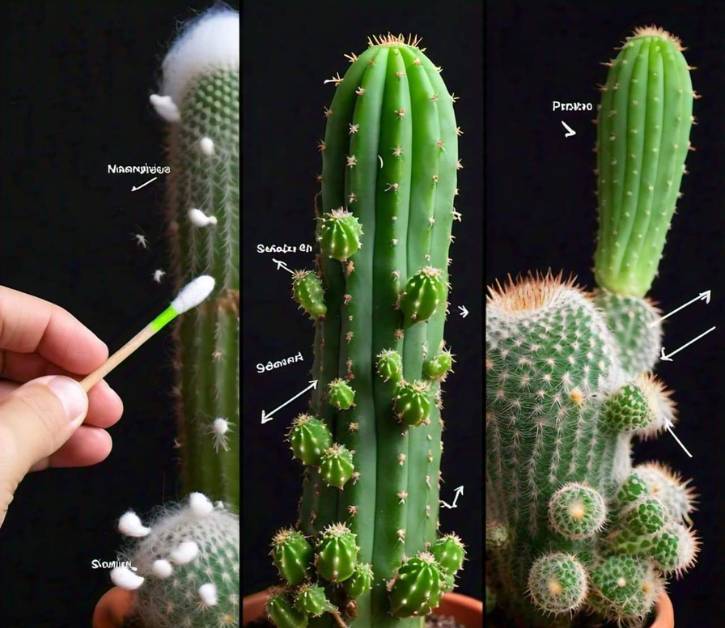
(71, 395)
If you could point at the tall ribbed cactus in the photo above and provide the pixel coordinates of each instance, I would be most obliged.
(371, 444)
(570, 524)
(643, 137)
(203, 219)
(185, 565)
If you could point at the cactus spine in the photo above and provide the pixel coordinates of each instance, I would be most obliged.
(570, 524)
(207, 339)
(384, 222)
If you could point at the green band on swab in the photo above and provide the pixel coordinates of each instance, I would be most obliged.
(163, 319)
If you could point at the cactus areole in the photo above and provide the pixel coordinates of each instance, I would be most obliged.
(369, 507)
(571, 525)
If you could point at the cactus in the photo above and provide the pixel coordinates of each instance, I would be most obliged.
(571, 525)
(207, 339)
(371, 441)
(188, 566)
(643, 137)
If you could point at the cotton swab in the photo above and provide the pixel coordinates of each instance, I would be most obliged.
(190, 296)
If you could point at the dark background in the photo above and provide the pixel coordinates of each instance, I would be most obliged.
(74, 85)
(289, 49)
(541, 213)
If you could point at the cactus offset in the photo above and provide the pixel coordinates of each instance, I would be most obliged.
(370, 497)
(571, 526)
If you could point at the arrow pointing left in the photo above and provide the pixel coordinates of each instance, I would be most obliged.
(267, 416)
(282, 265)
(143, 185)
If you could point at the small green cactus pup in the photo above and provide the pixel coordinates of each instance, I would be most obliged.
(340, 394)
(311, 600)
(626, 410)
(340, 233)
(292, 556)
(412, 403)
(675, 549)
(645, 516)
(186, 566)
(360, 582)
(667, 486)
(631, 489)
(449, 552)
(308, 293)
(438, 366)
(557, 583)
(424, 293)
(283, 614)
(390, 365)
(576, 511)
(337, 553)
(308, 438)
(643, 137)
(418, 587)
(336, 466)
(624, 586)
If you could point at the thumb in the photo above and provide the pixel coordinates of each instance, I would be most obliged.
(36, 419)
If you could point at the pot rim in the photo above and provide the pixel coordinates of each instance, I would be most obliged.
(251, 604)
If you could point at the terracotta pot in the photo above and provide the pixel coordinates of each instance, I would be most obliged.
(466, 610)
(665, 616)
(113, 608)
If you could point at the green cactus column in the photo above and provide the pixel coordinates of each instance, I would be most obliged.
(642, 141)
(379, 301)
(202, 101)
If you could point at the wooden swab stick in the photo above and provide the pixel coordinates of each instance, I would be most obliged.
(190, 296)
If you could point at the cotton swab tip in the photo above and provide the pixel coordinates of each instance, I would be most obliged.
(125, 578)
(193, 293)
(130, 525)
(184, 553)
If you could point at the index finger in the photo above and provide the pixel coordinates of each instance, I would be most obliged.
(29, 325)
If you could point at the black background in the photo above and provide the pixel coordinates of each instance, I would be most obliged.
(541, 213)
(289, 49)
(74, 85)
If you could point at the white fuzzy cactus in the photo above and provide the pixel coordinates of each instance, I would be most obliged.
(185, 569)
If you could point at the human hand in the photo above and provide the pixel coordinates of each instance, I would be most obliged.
(46, 418)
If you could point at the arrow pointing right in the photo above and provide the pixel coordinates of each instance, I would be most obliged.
(703, 296)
